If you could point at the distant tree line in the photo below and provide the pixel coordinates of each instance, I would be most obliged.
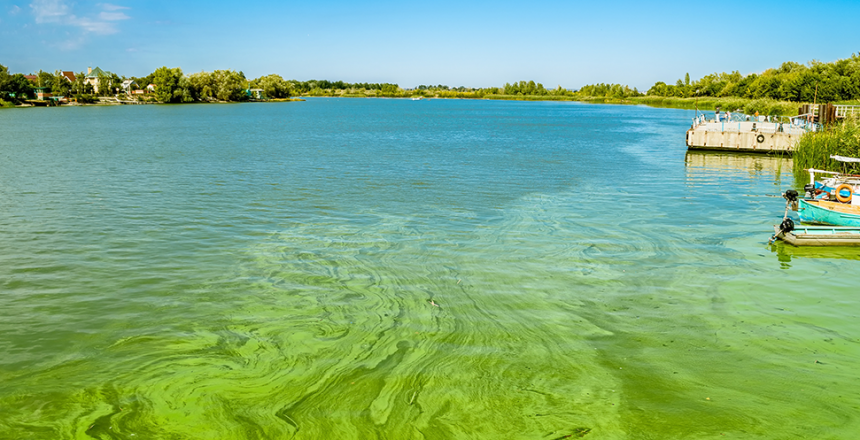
(616, 91)
(822, 82)
(171, 85)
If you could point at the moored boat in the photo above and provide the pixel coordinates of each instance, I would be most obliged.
(835, 200)
(819, 235)
(822, 212)
(833, 186)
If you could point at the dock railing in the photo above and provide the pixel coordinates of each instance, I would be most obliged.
(739, 122)
(805, 122)
(843, 111)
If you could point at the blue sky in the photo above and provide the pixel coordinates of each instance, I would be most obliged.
(468, 43)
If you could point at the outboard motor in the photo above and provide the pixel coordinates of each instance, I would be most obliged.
(787, 225)
(809, 188)
(790, 197)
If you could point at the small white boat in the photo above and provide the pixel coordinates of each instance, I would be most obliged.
(804, 235)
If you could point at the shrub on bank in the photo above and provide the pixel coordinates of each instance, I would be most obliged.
(85, 99)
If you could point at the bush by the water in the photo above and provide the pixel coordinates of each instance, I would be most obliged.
(85, 99)
(814, 149)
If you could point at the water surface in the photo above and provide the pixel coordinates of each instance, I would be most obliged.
(359, 268)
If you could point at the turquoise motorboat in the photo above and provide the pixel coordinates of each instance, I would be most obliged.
(822, 212)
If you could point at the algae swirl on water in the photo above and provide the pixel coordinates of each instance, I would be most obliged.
(392, 269)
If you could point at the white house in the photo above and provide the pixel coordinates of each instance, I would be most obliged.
(128, 85)
(93, 75)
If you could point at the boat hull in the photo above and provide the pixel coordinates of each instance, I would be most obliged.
(820, 236)
(828, 213)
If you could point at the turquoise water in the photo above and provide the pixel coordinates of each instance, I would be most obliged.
(343, 268)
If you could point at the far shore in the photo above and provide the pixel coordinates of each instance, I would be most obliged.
(764, 106)
(121, 103)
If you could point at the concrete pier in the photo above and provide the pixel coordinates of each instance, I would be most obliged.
(758, 136)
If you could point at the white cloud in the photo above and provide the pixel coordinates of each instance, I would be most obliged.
(14, 10)
(99, 27)
(113, 16)
(58, 12)
(110, 7)
(49, 11)
(71, 43)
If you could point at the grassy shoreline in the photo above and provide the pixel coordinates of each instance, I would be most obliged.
(814, 150)
(749, 106)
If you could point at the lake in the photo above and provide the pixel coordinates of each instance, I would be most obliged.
(378, 268)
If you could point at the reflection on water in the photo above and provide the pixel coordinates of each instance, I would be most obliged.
(785, 252)
(752, 165)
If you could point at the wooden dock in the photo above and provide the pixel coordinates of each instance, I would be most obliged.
(746, 136)
(762, 134)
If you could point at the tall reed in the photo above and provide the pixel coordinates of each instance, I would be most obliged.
(814, 149)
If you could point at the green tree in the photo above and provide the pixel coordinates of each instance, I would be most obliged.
(78, 86)
(166, 82)
(61, 86)
(18, 86)
(229, 85)
(115, 83)
(273, 86)
(203, 85)
(4, 80)
(186, 90)
(104, 88)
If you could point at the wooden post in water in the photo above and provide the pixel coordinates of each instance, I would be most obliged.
(814, 99)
